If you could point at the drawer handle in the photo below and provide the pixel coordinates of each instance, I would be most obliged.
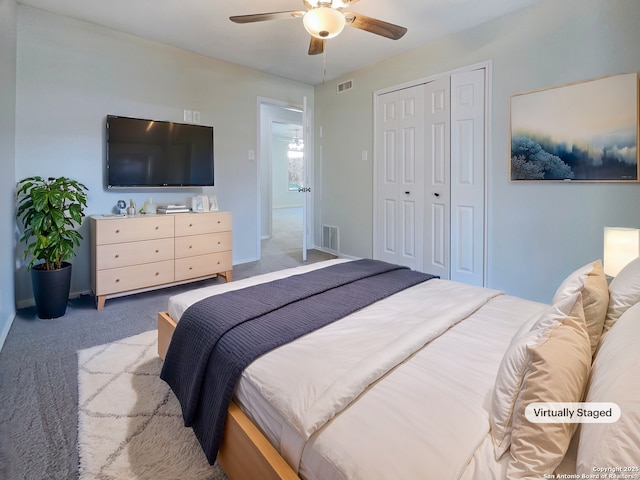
(219, 222)
(219, 242)
(118, 231)
(157, 250)
(218, 262)
(117, 255)
(191, 225)
(190, 247)
(117, 280)
(157, 228)
(190, 268)
(157, 273)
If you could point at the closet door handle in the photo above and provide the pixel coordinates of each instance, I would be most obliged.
(436, 194)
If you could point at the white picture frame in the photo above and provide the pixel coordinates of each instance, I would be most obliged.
(213, 203)
(200, 204)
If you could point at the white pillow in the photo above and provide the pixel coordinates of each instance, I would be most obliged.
(624, 292)
(514, 366)
(591, 281)
(557, 372)
(615, 377)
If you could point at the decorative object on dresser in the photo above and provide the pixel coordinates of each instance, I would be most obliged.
(164, 209)
(134, 254)
(50, 210)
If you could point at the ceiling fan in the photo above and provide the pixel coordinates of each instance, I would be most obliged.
(326, 19)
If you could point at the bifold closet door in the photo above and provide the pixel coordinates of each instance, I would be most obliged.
(468, 176)
(429, 187)
(399, 177)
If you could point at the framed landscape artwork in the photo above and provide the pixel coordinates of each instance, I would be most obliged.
(581, 132)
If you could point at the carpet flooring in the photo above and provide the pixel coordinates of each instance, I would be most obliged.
(39, 369)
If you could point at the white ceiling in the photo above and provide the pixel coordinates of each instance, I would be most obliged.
(280, 47)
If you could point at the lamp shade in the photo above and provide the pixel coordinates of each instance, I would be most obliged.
(621, 246)
(323, 22)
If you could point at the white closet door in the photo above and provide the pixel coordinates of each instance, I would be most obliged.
(437, 178)
(467, 176)
(399, 204)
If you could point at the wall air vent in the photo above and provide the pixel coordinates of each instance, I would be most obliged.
(330, 239)
(344, 86)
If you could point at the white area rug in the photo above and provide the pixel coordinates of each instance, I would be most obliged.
(130, 425)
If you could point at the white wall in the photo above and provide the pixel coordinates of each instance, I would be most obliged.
(71, 74)
(537, 233)
(8, 13)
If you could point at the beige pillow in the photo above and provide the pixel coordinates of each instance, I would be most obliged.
(514, 366)
(591, 281)
(624, 292)
(615, 377)
(557, 371)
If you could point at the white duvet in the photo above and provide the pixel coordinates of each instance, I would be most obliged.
(398, 390)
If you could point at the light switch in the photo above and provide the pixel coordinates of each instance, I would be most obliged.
(251, 155)
(188, 116)
(196, 116)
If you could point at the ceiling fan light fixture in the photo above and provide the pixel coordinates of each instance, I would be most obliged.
(323, 22)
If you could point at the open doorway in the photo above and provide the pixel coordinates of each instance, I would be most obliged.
(287, 202)
(282, 178)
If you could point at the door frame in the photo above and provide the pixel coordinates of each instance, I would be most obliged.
(265, 176)
(488, 66)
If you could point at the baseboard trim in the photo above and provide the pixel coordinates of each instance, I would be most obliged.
(5, 329)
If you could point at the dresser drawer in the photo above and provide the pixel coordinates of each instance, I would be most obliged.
(199, 223)
(133, 229)
(202, 265)
(116, 280)
(203, 244)
(116, 255)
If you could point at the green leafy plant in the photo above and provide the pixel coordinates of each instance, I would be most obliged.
(50, 210)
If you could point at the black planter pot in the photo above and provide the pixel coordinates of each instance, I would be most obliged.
(51, 290)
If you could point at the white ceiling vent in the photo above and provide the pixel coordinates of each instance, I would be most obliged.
(344, 86)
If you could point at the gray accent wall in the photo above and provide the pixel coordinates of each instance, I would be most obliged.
(537, 233)
(8, 13)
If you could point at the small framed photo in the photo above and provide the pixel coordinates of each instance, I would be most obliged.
(200, 203)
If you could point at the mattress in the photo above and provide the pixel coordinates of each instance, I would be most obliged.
(425, 413)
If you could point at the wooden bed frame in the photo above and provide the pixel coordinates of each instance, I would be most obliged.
(245, 453)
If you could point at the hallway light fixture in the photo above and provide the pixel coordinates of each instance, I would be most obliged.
(296, 147)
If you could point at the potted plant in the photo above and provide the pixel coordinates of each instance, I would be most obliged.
(50, 210)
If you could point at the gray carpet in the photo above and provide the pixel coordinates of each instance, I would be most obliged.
(38, 365)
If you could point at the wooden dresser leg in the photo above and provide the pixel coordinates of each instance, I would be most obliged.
(100, 299)
(227, 276)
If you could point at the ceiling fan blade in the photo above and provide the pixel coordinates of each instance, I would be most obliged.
(261, 17)
(373, 25)
(316, 46)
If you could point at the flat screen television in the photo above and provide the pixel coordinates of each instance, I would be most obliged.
(149, 153)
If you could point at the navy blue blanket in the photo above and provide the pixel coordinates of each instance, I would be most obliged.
(218, 337)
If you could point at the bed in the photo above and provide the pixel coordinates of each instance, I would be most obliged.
(433, 381)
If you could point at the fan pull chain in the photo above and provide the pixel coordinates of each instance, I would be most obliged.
(324, 62)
